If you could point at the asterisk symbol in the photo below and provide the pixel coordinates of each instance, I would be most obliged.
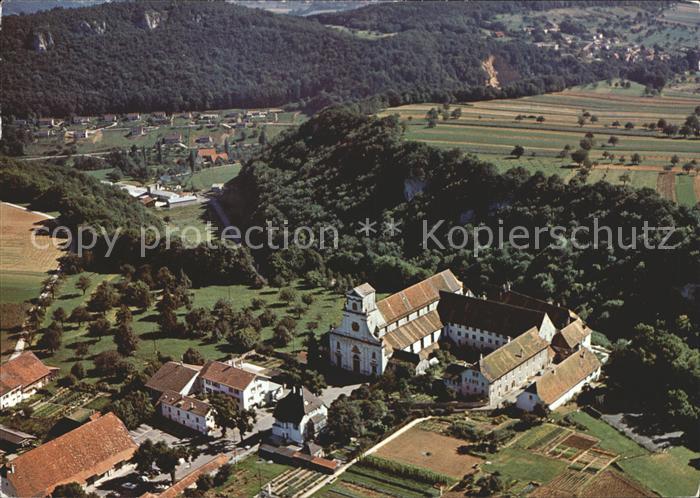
(367, 227)
(391, 227)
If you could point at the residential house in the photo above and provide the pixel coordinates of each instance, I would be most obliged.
(370, 330)
(14, 438)
(133, 116)
(174, 376)
(85, 455)
(212, 156)
(172, 138)
(138, 131)
(204, 139)
(299, 416)
(81, 133)
(188, 411)
(43, 133)
(502, 371)
(81, 119)
(248, 389)
(47, 122)
(217, 187)
(21, 377)
(560, 383)
(110, 118)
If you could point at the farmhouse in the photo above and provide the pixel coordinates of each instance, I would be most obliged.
(81, 119)
(248, 389)
(133, 116)
(205, 139)
(137, 131)
(188, 411)
(84, 455)
(174, 376)
(21, 377)
(372, 330)
(560, 383)
(109, 118)
(299, 416)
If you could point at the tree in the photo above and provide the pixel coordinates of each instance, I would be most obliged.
(167, 458)
(78, 371)
(205, 482)
(613, 140)
(636, 158)
(51, 339)
(59, 315)
(629, 125)
(579, 156)
(134, 409)
(193, 357)
(70, 490)
(100, 327)
(199, 322)
(586, 144)
(124, 316)
(625, 178)
(517, 151)
(108, 363)
(104, 297)
(287, 295)
(281, 336)
(244, 339)
(137, 294)
(344, 421)
(245, 421)
(83, 283)
(82, 349)
(688, 167)
(225, 411)
(144, 457)
(675, 159)
(126, 340)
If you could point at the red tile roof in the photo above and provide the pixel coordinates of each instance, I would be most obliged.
(22, 371)
(90, 450)
(413, 331)
(216, 371)
(417, 296)
(172, 376)
(556, 382)
(186, 403)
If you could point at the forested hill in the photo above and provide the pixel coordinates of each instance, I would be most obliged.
(340, 168)
(172, 56)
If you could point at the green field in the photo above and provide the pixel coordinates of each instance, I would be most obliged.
(358, 482)
(325, 310)
(523, 465)
(18, 286)
(669, 473)
(203, 179)
(490, 130)
(685, 191)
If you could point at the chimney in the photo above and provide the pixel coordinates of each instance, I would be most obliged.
(148, 189)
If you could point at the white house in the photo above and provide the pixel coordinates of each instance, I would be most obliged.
(248, 389)
(299, 416)
(370, 330)
(20, 378)
(188, 411)
(560, 383)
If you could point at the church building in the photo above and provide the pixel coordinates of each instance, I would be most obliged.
(408, 321)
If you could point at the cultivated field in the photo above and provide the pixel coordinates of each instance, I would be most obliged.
(430, 451)
(491, 129)
(22, 265)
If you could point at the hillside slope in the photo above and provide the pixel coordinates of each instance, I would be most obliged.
(171, 56)
(341, 168)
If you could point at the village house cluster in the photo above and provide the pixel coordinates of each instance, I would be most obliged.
(531, 351)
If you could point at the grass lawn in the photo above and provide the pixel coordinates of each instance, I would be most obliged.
(523, 465)
(189, 222)
(100, 174)
(203, 179)
(669, 474)
(325, 310)
(18, 286)
(685, 192)
(248, 478)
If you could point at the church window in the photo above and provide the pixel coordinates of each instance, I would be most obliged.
(354, 306)
(374, 355)
(355, 326)
(337, 345)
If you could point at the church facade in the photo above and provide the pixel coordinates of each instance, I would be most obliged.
(371, 331)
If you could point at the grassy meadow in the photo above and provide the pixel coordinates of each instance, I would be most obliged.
(491, 129)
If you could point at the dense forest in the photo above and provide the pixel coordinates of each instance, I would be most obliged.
(172, 56)
(342, 167)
